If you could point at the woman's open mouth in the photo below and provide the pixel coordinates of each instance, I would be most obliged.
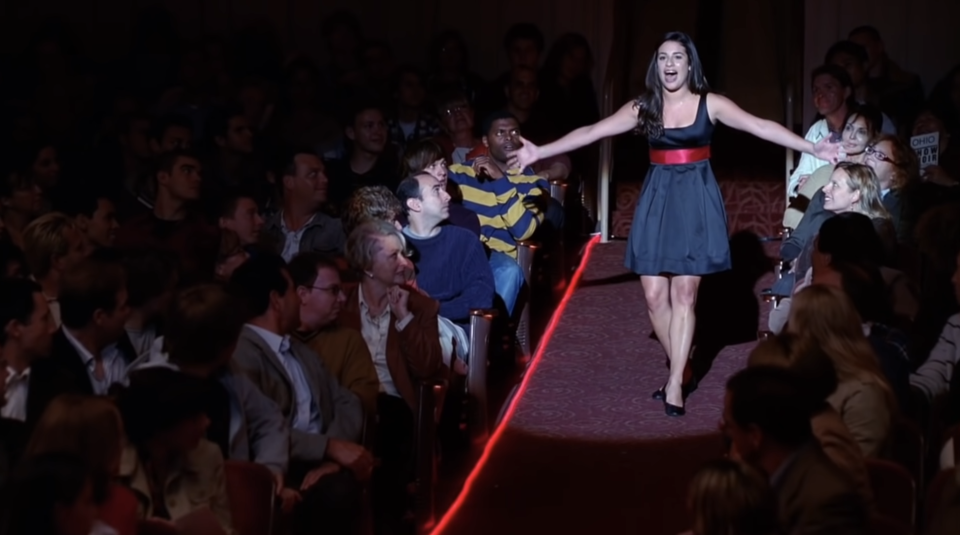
(670, 75)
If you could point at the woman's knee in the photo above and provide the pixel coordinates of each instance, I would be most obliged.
(683, 291)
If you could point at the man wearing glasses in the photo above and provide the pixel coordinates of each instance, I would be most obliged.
(343, 351)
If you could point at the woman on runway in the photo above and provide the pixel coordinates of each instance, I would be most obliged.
(679, 230)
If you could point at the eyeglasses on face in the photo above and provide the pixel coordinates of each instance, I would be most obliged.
(872, 151)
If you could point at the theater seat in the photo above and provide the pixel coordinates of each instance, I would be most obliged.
(431, 391)
(938, 496)
(893, 489)
(478, 425)
(526, 250)
(250, 489)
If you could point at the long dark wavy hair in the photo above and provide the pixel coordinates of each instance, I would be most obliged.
(650, 103)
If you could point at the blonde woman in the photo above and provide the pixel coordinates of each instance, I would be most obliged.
(822, 316)
(732, 498)
(90, 428)
(810, 362)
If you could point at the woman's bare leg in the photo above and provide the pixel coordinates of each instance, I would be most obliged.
(656, 290)
(683, 299)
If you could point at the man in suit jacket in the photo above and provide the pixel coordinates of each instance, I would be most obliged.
(766, 416)
(85, 358)
(26, 330)
(326, 420)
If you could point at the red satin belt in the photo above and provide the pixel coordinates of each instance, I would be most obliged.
(679, 156)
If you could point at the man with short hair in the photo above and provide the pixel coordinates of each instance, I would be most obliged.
(232, 161)
(853, 59)
(524, 44)
(300, 225)
(94, 214)
(343, 351)
(766, 417)
(52, 246)
(175, 225)
(457, 117)
(368, 163)
(897, 92)
(26, 335)
(326, 419)
(511, 203)
(240, 214)
(451, 264)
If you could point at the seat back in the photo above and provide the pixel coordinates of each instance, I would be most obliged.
(526, 250)
(250, 489)
(426, 453)
(908, 449)
(894, 490)
(478, 425)
(558, 190)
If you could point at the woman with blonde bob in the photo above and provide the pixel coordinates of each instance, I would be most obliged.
(90, 428)
(823, 316)
(732, 498)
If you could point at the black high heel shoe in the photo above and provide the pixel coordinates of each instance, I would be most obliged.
(673, 410)
(687, 389)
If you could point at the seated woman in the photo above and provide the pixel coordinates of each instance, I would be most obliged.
(939, 183)
(863, 124)
(51, 494)
(897, 170)
(90, 429)
(732, 497)
(176, 474)
(786, 351)
(400, 328)
(822, 316)
(852, 188)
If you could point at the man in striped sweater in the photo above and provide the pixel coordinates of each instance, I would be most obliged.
(511, 203)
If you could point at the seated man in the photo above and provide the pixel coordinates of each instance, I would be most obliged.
(26, 336)
(511, 203)
(326, 419)
(370, 162)
(343, 351)
(200, 336)
(175, 225)
(451, 264)
(85, 358)
(457, 122)
(240, 214)
(52, 246)
(766, 418)
(94, 215)
(300, 225)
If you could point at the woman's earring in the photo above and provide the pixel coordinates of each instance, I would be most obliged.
(368, 274)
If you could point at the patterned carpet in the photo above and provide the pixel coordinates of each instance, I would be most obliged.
(586, 449)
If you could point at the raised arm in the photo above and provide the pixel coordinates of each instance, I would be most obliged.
(623, 120)
(727, 112)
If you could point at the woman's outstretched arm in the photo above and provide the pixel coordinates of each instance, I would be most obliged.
(623, 120)
(727, 112)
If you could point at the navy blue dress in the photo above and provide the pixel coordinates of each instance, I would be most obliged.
(680, 224)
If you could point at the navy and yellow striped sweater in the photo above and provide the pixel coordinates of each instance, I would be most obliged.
(509, 208)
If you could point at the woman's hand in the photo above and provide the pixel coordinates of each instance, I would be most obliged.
(527, 155)
(828, 150)
(398, 299)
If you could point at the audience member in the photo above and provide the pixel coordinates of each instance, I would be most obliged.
(411, 121)
(94, 215)
(52, 247)
(178, 475)
(26, 337)
(151, 280)
(22, 202)
(371, 202)
(854, 59)
(456, 121)
(825, 317)
(451, 265)
(51, 494)
(427, 157)
(174, 225)
(326, 420)
(369, 162)
(766, 416)
(896, 167)
(732, 497)
(300, 225)
(91, 429)
(230, 256)
(240, 214)
(343, 351)
(524, 43)
(898, 93)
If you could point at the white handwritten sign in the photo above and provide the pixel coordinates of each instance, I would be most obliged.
(927, 147)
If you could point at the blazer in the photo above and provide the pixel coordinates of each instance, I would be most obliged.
(412, 354)
(817, 498)
(340, 411)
